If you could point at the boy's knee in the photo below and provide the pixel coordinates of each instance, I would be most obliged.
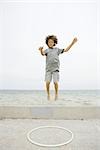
(55, 83)
(47, 82)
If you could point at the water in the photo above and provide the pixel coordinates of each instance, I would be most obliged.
(37, 97)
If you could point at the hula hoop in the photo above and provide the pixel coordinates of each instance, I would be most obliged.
(50, 145)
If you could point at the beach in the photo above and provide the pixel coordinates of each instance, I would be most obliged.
(38, 97)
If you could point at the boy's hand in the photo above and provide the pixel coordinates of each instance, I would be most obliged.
(40, 48)
(74, 40)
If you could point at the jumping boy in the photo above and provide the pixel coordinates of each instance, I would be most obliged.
(52, 62)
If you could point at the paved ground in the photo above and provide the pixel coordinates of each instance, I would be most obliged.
(13, 134)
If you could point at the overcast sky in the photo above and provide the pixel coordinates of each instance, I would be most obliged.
(23, 28)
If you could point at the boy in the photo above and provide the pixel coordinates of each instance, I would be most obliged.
(52, 62)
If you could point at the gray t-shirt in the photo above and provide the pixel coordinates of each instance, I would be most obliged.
(52, 58)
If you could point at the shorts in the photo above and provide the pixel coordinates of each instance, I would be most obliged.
(49, 75)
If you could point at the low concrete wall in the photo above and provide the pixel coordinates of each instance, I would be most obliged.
(49, 112)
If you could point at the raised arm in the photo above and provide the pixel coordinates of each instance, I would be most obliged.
(41, 51)
(72, 43)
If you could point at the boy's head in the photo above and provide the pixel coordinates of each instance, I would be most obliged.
(51, 40)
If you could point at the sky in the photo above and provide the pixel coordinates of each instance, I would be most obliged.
(24, 26)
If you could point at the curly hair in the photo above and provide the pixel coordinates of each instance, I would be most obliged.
(53, 37)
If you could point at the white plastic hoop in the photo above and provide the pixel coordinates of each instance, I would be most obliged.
(50, 145)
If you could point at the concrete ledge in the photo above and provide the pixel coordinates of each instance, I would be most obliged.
(49, 112)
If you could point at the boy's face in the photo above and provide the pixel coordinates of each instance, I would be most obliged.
(50, 43)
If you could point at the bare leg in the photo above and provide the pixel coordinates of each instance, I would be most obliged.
(48, 89)
(56, 90)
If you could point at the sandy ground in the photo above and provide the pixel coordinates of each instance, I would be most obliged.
(31, 98)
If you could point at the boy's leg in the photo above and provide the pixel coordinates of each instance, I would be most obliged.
(56, 90)
(55, 80)
(48, 77)
(48, 89)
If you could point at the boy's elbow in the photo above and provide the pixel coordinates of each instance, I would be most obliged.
(42, 54)
(65, 50)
